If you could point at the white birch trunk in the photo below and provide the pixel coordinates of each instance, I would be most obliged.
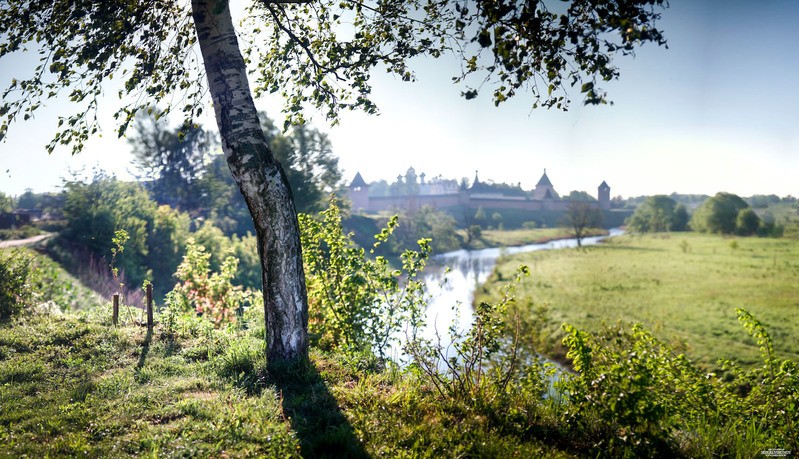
(261, 180)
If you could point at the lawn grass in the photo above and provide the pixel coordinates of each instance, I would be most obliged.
(75, 386)
(682, 286)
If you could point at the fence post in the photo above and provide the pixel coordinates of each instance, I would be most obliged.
(149, 306)
(115, 314)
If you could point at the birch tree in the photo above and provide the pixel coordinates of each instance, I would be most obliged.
(318, 55)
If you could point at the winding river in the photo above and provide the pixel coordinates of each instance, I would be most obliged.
(469, 269)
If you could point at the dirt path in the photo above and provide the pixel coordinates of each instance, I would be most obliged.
(21, 242)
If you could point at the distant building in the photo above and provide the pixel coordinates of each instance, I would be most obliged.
(359, 193)
(412, 192)
(544, 189)
(603, 195)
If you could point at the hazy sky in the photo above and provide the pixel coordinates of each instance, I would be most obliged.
(717, 111)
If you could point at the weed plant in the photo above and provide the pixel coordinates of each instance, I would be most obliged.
(359, 303)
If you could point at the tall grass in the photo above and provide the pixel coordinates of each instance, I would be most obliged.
(94, 272)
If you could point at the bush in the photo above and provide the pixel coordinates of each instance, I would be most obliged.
(658, 214)
(358, 303)
(718, 214)
(477, 367)
(208, 293)
(632, 395)
(747, 222)
(15, 292)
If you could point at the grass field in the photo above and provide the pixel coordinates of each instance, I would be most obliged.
(682, 286)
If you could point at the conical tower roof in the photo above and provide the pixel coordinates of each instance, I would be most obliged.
(544, 180)
(358, 181)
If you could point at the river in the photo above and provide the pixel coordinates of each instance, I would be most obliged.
(468, 270)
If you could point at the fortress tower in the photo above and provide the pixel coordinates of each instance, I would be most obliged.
(603, 195)
(359, 193)
(544, 188)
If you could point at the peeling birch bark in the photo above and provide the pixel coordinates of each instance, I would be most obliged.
(261, 180)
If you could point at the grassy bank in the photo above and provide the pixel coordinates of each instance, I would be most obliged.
(52, 286)
(682, 286)
(517, 237)
(76, 386)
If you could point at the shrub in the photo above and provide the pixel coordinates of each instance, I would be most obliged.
(15, 292)
(747, 222)
(485, 367)
(632, 395)
(210, 294)
(770, 392)
(358, 303)
(657, 214)
(630, 388)
(718, 214)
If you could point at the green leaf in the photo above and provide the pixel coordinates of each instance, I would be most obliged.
(484, 38)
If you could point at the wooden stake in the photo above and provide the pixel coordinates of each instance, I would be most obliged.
(150, 306)
(115, 315)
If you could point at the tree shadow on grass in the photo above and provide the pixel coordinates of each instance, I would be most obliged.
(314, 414)
(145, 349)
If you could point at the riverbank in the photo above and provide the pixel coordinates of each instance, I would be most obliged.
(75, 385)
(519, 237)
(682, 286)
(452, 277)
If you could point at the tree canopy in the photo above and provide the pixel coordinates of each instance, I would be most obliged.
(307, 157)
(316, 55)
(718, 214)
(576, 195)
(657, 214)
(171, 161)
(6, 203)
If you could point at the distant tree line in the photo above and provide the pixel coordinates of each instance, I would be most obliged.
(158, 233)
(724, 213)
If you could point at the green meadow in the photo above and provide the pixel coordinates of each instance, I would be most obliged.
(684, 287)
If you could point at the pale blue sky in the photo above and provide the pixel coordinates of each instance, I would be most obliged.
(717, 111)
